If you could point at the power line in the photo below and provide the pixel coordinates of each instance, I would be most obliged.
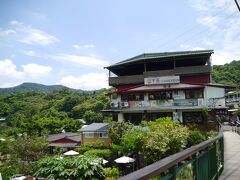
(198, 33)
(173, 39)
(237, 5)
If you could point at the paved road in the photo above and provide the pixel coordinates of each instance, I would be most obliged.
(231, 155)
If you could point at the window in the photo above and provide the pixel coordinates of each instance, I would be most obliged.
(193, 93)
(192, 117)
(133, 97)
(164, 95)
(103, 135)
(89, 134)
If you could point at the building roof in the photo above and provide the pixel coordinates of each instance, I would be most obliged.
(95, 127)
(161, 56)
(64, 144)
(68, 135)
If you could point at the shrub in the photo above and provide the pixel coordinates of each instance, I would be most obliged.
(96, 144)
(7, 172)
(112, 173)
(163, 140)
(195, 137)
(117, 130)
(79, 167)
(211, 134)
(82, 149)
(133, 140)
(103, 153)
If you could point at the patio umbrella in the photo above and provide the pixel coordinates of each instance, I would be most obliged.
(105, 161)
(124, 160)
(71, 153)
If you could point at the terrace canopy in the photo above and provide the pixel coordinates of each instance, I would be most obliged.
(124, 160)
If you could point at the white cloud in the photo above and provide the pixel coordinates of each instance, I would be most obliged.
(33, 36)
(89, 46)
(76, 46)
(222, 18)
(36, 70)
(11, 76)
(81, 60)
(31, 53)
(86, 46)
(90, 81)
(7, 32)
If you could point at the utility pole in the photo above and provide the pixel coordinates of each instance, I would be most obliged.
(237, 5)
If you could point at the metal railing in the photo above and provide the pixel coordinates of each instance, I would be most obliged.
(204, 161)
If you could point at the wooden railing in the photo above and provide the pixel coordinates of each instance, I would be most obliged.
(204, 161)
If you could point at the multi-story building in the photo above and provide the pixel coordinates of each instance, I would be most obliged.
(173, 84)
(233, 100)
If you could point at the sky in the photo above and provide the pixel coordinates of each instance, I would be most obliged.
(69, 42)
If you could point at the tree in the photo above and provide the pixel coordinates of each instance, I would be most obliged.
(117, 130)
(79, 167)
(28, 150)
(133, 140)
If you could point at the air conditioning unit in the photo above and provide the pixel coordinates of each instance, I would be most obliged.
(114, 105)
(124, 104)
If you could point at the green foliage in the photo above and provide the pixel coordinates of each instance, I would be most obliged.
(117, 130)
(29, 148)
(37, 113)
(205, 114)
(211, 134)
(95, 144)
(133, 140)
(164, 139)
(195, 137)
(227, 73)
(7, 172)
(79, 167)
(160, 121)
(82, 149)
(104, 153)
(112, 173)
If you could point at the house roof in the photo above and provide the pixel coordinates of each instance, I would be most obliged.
(68, 135)
(95, 127)
(160, 56)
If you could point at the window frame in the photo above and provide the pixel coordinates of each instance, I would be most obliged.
(87, 135)
(101, 133)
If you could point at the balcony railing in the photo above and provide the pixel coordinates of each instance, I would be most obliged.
(135, 79)
(204, 161)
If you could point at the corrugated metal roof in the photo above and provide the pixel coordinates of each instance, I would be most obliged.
(95, 127)
(148, 56)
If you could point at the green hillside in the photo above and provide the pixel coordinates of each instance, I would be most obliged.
(227, 74)
(27, 87)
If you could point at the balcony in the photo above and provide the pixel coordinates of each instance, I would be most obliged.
(137, 79)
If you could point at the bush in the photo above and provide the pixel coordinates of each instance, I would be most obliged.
(195, 137)
(103, 153)
(112, 173)
(82, 149)
(79, 167)
(96, 144)
(211, 134)
(164, 139)
(7, 172)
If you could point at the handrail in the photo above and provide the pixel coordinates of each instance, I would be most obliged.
(162, 165)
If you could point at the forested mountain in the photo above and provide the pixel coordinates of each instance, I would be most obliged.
(227, 74)
(27, 87)
(39, 113)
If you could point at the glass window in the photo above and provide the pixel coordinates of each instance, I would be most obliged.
(103, 135)
(89, 134)
(193, 93)
(164, 95)
(132, 97)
